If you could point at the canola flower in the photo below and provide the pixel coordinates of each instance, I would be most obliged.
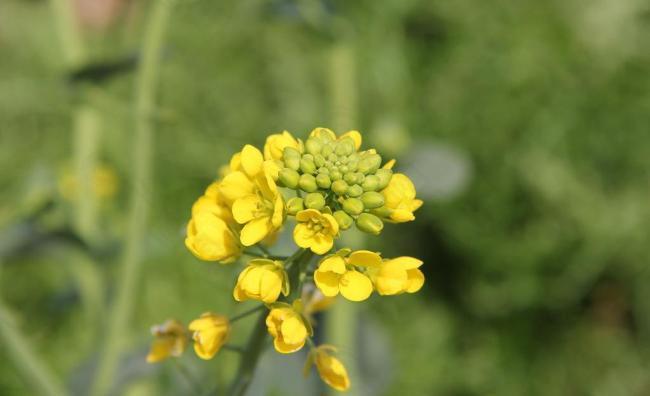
(317, 189)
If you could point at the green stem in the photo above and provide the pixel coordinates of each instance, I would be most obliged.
(68, 32)
(120, 312)
(245, 314)
(256, 342)
(36, 374)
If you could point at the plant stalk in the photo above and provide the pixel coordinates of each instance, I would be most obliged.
(121, 310)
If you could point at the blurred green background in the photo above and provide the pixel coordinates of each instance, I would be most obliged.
(525, 125)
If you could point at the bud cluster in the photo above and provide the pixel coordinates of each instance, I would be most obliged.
(334, 173)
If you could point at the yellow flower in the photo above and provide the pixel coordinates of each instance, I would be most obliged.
(337, 274)
(328, 134)
(275, 144)
(262, 280)
(256, 201)
(315, 230)
(209, 234)
(104, 183)
(397, 276)
(355, 136)
(170, 339)
(210, 332)
(400, 199)
(330, 369)
(288, 327)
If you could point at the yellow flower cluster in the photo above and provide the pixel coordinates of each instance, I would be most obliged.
(324, 186)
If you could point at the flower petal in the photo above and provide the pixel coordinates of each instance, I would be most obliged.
(415, 280)
(255, 230)
(251, 160)
(365, 258)
(355, 286)
(244, 209)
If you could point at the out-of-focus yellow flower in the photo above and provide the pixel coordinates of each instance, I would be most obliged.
(104, 181)
(331, 370)
(288, 327)
(256, 201)
(397, 276)
(275, 144)
(210, 333)
(337, 274)
(170, 339)
(209, 235)
(314, 300)
(262, 280)
(400, 199)
(315, 230)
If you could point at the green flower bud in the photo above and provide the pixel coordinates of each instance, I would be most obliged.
(294, 205)
(344, 160)
(353, 206)
(344, 220)
(339, 186)
(327, 150)
(314, 201)
(369, 223)
(355, 190)
(372, 199)
(360, 177)
(345, 147)
(313, 145)
(307, 183)
(323, 170)
(382, 212)
(323, 181)
(370, 183)
(343, 169)
(290, 152)
(384, 176)
(289, 178)
(319, 160)
(307, 165)
(335, 175)
(353, 165)
(332, 157)
(292, 163)
(369, 164)
(349, 177)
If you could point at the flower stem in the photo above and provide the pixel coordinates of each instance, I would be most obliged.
(245, 313)
(120, 312)
(296, 264)
(18, 350)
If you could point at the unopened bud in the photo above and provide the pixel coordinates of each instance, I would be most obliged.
(339, 186)
(319, 160)
(323, 181)
(369, 164)
(314, 201)
(369, 223)
(344, 220)
(326, 150)
(307, 165)
(370, 183)
(372, 199)
(307, 183)
(313, 146)
(289, 178)
(382, 212)
(353, 206)
(294, 205)
(350, 177)
(384, 176)
(355, 190)
(335, 175)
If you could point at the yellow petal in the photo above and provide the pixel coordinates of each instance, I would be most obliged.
(307, 214)
(327, 282)
(302, 236)
(365, 258)
(255, 230)
(270, 286)
(293, 330)
(391, 280)
(334, 264)
(389, 165)
(251, 160)
(244, 209)
(321, 244)
(355, 286)
(283, 347)
(160, 349)
(415, 280)
(355, 136)
(406, 262)
(333, 224)
(236, 185)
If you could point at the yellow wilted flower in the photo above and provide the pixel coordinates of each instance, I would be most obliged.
(398, 275)
(337, 273)
(330, 369)
(288, 327)
(262, 280)
(314, 300)
(209, 235)
(210, 333)
(275, 144)
(256, 201)
(315, 230)
(400, 198)
(170, 339)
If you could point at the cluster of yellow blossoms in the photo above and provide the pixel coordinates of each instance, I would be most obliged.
(326, 184)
